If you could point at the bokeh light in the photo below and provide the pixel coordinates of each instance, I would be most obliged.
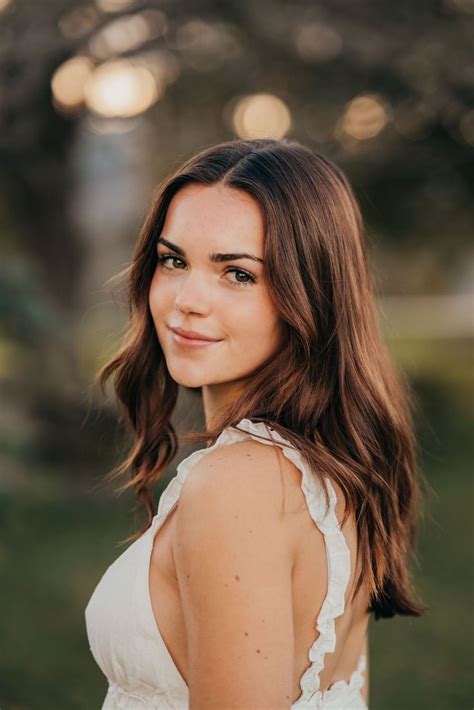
(364, 117)
(316, 42)
(205, 45)
(115, 5)
(125, 34)
(69, 81)
(261, 116)
(199, 35)
(164, 65)
(112, 126)
(78, 22)
(121, 89)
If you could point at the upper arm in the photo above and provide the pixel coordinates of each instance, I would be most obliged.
(234, 565)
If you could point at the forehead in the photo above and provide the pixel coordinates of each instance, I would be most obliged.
(214, 215)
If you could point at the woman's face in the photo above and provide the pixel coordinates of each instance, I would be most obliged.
(201, 284)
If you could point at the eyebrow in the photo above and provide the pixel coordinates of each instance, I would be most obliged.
(217, 258)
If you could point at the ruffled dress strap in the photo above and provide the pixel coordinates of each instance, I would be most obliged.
(337, 551)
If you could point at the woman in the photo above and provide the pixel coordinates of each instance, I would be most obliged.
(250, 284)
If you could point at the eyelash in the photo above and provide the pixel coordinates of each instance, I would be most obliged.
(162, 258)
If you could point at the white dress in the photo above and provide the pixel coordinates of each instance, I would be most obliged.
(124, 637)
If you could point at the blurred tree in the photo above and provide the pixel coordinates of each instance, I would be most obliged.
(35, 146)
(44, 249)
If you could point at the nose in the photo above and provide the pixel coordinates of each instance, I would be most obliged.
(192, 295)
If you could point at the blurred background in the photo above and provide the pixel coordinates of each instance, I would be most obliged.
(100, 101)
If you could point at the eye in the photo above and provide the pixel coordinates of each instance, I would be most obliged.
(248, 278)
(163, 261)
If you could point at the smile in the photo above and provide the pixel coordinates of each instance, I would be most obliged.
(191, 343)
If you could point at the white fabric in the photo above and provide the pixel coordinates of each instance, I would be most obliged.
(124, 637)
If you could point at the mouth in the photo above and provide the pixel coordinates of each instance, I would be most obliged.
(191, 343)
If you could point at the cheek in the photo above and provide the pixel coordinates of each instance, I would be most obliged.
(258, 325)
(159, 296)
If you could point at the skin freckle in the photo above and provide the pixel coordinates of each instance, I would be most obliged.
(246, 633)
(258, 650)
(237, 577)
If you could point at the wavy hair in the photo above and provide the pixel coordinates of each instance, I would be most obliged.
(332, 390)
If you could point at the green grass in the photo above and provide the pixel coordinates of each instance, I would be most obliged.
(55, 545)
(52, 557)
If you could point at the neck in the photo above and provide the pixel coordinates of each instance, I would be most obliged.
(217, 400)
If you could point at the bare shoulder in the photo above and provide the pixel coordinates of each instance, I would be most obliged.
(246, 473)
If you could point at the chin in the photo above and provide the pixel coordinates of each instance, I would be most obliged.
(187, 379)
(191, 382)
(197, 380)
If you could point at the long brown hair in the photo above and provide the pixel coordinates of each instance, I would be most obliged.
(332, 390)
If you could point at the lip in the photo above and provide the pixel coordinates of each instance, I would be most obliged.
(191, 339)
(193, 335)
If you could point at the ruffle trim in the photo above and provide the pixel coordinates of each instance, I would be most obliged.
(356, 681)
(337, 551)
